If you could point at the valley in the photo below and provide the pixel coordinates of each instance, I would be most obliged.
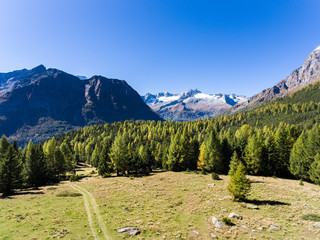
(164, 205)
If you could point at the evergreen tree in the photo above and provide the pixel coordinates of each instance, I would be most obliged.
(254, 153)
(35, 169)
(59, 162)
(299, 161)
(270, 156)
(212, 155)
(119, 153)
(174, 153)
(70, 163)
(10, 167)
(239, 185)
(226, 154)
(283, 149)
(315, 170)
(104, 165)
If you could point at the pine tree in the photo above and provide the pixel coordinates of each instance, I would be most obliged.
(283, 148)
(104, 165)
(68, 157)
(270, 157)
(253, 153)
(59, 162)
(300, 162)
(315, 170)
(35, 168)
(212, 155)
(119, 153)
(239, 185)
(10, 167)
(174, 153)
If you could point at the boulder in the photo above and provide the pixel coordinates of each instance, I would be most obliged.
(234, 215)
(217, 223)
(251, 206)
(274, 228)
(131, 230)
(316, 225)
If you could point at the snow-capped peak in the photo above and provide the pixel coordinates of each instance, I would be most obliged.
(190, 105)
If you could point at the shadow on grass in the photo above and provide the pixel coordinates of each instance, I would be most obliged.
(267, 202)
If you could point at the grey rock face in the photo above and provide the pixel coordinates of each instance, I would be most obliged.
(46, 102)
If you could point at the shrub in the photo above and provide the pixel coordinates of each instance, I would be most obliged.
(311, 217)
(74, 178)
(301, 182)
(227, 221)
(215, 176)
(203, 172)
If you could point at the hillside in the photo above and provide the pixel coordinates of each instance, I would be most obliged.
(300, 108)
(307, 74)
(191, 105)
(40, 103)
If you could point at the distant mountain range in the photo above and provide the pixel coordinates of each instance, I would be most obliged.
(307, 74)
(190, 105)
(40, 103)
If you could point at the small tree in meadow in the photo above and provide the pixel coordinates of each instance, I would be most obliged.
(239, 185)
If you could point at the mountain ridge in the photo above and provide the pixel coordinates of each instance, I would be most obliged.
(190, 105)
(29, 98)
(301, 77)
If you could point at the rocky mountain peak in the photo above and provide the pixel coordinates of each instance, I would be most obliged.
(190, 105)
(307, 74)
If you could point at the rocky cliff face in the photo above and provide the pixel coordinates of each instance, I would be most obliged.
(190, 105)
(41, 103)
(307, 74)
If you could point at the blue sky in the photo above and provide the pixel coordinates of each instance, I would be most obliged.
(225, 46)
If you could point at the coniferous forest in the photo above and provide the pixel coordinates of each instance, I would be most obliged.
(280, 138)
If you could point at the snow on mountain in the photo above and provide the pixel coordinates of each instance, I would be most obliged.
(191, 105)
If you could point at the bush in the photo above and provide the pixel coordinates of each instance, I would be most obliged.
(74, 178)
(203, 172)
(215, 176)
(301, 182)
(227, 221)
(311, 217)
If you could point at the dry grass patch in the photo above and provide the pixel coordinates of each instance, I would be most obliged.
(169, 205)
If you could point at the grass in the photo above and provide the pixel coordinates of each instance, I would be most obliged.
(44, 216)
(162, 206)
(68, 194)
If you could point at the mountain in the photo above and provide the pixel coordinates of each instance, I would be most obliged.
(190, 105)
(41, 103)
(307, 74)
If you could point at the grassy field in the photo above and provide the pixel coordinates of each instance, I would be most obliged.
(164, 205)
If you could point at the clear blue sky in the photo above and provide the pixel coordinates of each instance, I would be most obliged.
(225, 46)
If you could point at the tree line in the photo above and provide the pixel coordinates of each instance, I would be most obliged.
(263, 143)
(33, 166)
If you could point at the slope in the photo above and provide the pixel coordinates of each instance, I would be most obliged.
(41, 103)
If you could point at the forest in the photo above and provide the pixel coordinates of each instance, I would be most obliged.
(280, 139)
